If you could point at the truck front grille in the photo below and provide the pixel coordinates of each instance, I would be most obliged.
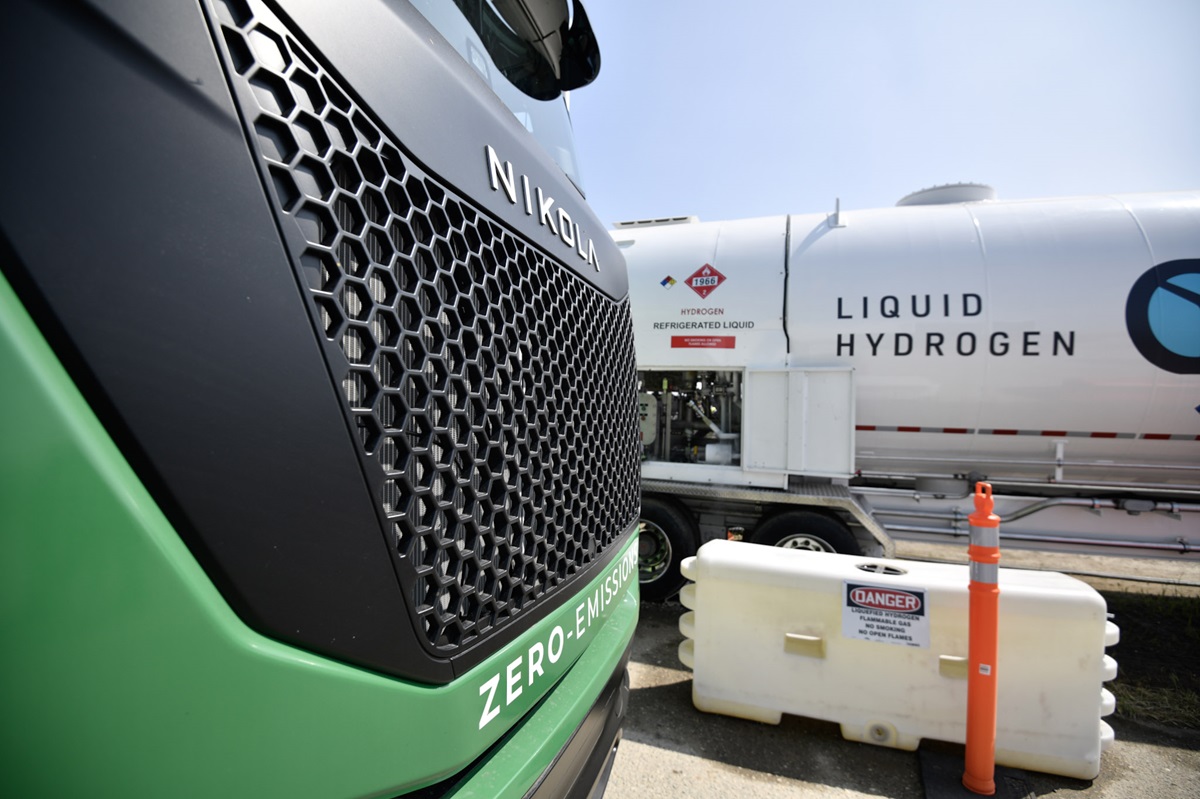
(491, 388)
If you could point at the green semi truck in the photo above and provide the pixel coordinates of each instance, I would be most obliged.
(317, 401)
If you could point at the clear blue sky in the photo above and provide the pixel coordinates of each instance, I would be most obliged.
(740, 108)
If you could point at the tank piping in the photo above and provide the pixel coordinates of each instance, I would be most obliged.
(1033, 462)
(1017, 482)
(956, 516)
(1181, 546)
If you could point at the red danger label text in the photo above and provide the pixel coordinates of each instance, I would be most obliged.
(704, 342)
(885, 599)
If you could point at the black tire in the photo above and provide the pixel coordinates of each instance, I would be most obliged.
(805, 529)
(666, 536)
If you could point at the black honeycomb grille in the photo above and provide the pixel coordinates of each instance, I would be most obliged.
(492, 389)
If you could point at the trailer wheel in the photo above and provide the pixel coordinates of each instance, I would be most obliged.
(803, 529)
(666, 536)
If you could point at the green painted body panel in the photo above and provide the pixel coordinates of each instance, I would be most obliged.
(126, 674)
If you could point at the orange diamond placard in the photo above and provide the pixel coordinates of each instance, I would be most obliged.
(705, 280)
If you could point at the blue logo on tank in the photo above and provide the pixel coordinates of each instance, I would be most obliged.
(1162, 315)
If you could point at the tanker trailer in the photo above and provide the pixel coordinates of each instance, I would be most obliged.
(837, 381)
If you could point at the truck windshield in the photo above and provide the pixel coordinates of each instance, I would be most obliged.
(464, 23)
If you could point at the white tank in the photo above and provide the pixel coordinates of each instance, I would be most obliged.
(1011, 333)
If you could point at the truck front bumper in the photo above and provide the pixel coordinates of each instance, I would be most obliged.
(583, 766)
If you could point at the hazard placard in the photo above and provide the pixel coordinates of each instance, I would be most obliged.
(705, 280)
(885, 614)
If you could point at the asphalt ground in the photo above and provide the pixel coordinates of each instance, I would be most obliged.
(670, 749)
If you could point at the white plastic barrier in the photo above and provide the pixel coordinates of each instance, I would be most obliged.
(880, 646)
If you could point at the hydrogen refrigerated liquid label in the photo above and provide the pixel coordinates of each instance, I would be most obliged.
(886, 615)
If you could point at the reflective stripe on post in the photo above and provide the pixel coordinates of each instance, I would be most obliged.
(984, 637)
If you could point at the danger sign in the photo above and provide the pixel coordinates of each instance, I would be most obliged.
(705, 280)
(886, 615)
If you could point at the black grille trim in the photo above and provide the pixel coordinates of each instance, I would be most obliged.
(492, 390)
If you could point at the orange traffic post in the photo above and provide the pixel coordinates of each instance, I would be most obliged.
(984, 640)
